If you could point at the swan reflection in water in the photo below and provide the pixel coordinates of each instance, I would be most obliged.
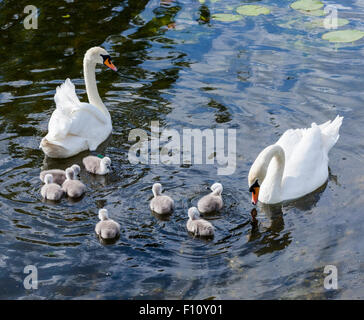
(267, 222)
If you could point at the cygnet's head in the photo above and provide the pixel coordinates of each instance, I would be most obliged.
(48, 179)
(103, 214)
(106, 163)
(70, 175)
(101, 56)
(193, 213)
(76, 169)
(217, 188)
(157, 189)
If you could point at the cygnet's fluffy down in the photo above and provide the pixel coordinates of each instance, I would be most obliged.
(107, 228)
(97, 165)
(73, 188)
(51, 191)
(198, 226)
(161, 204)
(59, 176)
(213, 201)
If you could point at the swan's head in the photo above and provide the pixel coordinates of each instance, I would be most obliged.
(70, 174)
(76, 169)
(193, 213)
(255, 178)
(101, 56)
(106, 164)
(157, 189)
(217, 188)
(259, 169)
(103, 214)
(48, 179)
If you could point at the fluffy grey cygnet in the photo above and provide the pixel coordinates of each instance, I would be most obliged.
(198, 226)
(97, 165)
(51, 191)
(161, 204)
(74, 188)
(59, 176)
(107, 228)
(213, 201)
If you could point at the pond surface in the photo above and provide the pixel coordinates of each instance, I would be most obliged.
(259, 75)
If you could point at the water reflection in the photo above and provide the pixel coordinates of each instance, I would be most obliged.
(268, 228)
(184, 69)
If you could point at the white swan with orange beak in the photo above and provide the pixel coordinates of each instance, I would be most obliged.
(295, 165)
(77, 126)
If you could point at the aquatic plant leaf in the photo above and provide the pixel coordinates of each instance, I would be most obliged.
(320, 23)
(252, 10)
(343, 35)
(226, 17)
(307, 5)
(315, 13)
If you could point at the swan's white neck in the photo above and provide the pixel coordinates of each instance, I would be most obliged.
(272, 159)
(91, 86)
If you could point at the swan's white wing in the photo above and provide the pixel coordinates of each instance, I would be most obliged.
(66, 101)
(66, 98)
(306, 168)
(289, 141)
(74, 119)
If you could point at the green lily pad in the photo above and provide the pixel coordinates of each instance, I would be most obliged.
(320, 23)
(252, 10)
(343, 35)
(315, 13)
(307, 5)
(226, 17)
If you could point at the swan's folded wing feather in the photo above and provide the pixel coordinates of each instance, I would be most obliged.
(66, 101)
(66, 98)
(307, 167)
(289, 141)
(73, 117)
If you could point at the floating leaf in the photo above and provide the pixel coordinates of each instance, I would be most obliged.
(66, 16)
(307, 5)
(343, 35)
(226, 17)
(316, 13)
(320, 23)
(252, 10)
(100, 156)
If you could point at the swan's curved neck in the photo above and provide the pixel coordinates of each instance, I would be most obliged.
(272, 157)
(91, 86)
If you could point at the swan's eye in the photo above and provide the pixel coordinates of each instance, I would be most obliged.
(254, 185)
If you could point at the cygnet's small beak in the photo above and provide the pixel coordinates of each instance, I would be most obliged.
(110, 65)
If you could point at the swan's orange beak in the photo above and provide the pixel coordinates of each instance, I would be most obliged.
(109, 64)
(255, 195)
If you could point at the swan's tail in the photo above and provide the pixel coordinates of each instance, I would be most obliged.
(330, 132)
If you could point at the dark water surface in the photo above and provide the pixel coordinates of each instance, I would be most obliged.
(260, 75)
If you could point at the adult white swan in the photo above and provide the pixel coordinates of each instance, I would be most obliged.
(295, 165)
(77, 126)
